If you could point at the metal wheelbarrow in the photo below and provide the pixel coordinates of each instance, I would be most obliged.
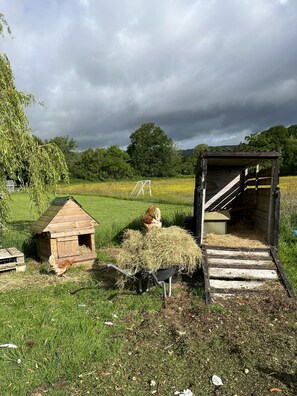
(160, 278)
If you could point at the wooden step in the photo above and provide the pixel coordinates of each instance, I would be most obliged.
(242, 273)
(239, 263)
(263, 255)
(230, 272)
(234, 285)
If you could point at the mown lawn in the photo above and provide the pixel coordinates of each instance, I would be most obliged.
(63, 338)
(114, 215)
(102, 341)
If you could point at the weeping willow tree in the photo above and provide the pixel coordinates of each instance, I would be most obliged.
(43, 164)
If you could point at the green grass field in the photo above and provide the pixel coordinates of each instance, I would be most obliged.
(173, 191)
(114, 215)
(102, 341)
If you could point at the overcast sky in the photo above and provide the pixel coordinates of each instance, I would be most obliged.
(205, 71)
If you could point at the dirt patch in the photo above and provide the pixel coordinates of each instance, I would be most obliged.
(250, 343)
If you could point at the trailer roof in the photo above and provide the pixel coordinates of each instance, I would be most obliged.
(238, 158)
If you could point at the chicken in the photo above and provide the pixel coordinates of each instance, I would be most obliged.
(149, 220)
(61, 267)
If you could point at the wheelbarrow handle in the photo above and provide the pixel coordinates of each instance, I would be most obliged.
(120, 270)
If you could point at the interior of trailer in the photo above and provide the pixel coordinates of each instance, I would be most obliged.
(239, 199)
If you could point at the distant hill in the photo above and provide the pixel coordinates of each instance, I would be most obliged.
(188, 152)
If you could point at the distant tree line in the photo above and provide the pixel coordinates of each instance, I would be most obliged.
(151, 153)
(277, 138)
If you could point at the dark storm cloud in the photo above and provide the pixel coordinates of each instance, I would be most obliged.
(205, 71)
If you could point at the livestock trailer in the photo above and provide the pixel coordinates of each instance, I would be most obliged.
(237, 194)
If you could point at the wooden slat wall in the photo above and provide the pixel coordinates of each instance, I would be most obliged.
(68, 247)
(261, 199)
(68, 225)
(258, 193)
(260, 173)
(223, 186)
(54, 247)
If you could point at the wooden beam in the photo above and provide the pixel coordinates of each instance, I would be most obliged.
(230, 273)
(234, 284)
(268, 265)
(239, 291)
(200, 200)
(282, 274)
(82, 231)
(206, 276)
(263, 255)
(241, 154)
(273, 196)
(233, 260)
(237, 249)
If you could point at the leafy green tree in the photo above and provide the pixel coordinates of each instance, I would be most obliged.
(293, 131)
(153, 153)
(44, 163)
(116, 164)
(88, 163)
(197, 152)
(189, 162)
(272, 139)
(69, 148)
(101, 164)
(277, 138)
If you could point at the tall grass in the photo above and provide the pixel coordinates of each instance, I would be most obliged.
(287, 237)
(175, 190)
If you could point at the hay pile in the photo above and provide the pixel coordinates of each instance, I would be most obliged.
(159, 248)
(238, 236)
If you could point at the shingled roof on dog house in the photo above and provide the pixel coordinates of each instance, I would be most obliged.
(64, 230)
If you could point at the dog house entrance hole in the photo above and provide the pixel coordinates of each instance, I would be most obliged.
(85, 243)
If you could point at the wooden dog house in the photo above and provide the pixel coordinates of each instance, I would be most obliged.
(65, 230)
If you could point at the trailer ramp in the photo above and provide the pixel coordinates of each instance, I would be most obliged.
(231, 272)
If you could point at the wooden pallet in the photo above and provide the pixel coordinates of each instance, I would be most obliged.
(232, 271)
(12, 259)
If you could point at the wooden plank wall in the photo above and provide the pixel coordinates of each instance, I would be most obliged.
(223, 186)
(67, 246)
(258, 194)
(44, 246)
